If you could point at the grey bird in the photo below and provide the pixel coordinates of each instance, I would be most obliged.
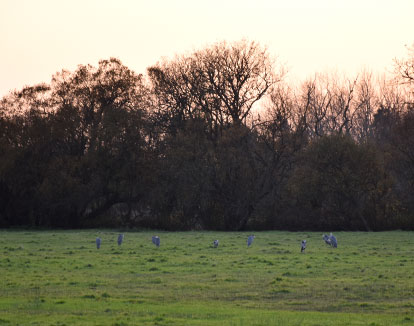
(156, 240)
(98, 243)
(303, 246)
(215, 243)
(327, 239)
(250, 240)
(120, 239)
(334, 242)
(330, 240)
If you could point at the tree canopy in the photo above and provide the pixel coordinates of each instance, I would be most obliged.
(215, 139)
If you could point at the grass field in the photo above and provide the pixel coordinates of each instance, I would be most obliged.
(60, 278)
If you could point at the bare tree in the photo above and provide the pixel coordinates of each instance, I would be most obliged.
(365, 106)
(327, 104)
(404, 68)
(315, 100)
(219, 84)
(343, 106)
(240, 74)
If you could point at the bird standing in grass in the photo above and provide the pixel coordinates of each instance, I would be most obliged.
(334, 242)
(215, 243)
(156, 240)
(327, 239)
(330, 240)
(98, 243)
(250, 240)
(120, 239)
(303, 246)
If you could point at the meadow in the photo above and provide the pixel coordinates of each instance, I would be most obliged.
(60, 278)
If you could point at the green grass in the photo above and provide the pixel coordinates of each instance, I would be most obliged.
(60, 278)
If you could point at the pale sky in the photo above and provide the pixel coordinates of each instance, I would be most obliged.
(40, 37)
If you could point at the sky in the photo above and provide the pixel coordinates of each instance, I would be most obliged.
(39, 38)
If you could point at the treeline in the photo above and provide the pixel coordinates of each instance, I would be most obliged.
(211, 140)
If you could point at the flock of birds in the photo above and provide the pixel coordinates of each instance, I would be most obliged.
(329, 240)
